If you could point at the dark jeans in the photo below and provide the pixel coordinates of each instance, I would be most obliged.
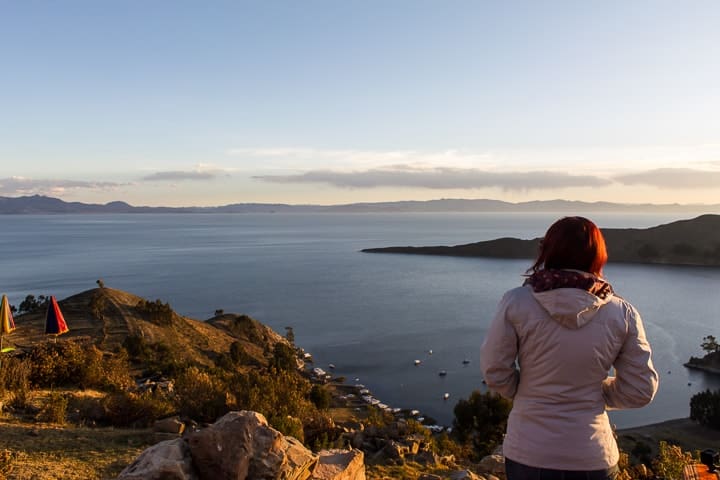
(518, 471)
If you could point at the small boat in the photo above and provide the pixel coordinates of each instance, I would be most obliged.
(430, 352)
(442, 373)
(417, 362)
(331, 365)
(466, 361)
(446, 396)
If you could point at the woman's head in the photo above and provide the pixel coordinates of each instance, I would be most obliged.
(573, 243)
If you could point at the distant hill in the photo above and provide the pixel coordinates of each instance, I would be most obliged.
(685, 242)
(38, 204)
(108, 316)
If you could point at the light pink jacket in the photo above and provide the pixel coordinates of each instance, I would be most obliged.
(565, 342)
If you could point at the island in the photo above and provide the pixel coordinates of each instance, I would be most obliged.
(685, 242)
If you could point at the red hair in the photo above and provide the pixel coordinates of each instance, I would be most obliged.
(573, 243)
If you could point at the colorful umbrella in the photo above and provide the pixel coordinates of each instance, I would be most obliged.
(55, 322)
(7, 323)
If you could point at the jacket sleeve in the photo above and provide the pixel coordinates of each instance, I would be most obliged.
(636, 381)
(498, 353)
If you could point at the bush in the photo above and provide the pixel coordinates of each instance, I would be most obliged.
(284, 357)
(128, 409)
(288, 425)
(671, 461)
(80, 364)
(705, 408)
(15, 379)
(201, 396)
(156, 312)
(54, 409)
(320, 396)
(481, 420)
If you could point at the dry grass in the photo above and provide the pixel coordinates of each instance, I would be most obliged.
(47, 452)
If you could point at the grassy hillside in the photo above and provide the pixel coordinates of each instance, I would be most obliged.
(108, 317)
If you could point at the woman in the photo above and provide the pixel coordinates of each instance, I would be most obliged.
(550, 348)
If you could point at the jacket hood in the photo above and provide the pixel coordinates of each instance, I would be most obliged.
(572, 308)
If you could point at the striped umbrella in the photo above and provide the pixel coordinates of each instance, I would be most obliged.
(7, 324)
(54, 321)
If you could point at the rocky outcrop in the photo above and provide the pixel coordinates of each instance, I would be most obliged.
(241, 445)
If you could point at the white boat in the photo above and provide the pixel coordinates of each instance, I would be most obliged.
(442, 373)
(417, 362)
(331, 365)
(446, 396)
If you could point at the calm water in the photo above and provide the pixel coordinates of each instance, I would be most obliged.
(371, 315)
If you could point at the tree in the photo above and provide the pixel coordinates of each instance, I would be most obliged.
(481, 420)
(710, 344)
(290, 335)
(31, 303)
(283, 357)
(705, 408)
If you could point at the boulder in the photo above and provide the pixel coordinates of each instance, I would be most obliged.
(169, 460)
(169, 425)
(340, 465)
(242, 445)
(494, 464)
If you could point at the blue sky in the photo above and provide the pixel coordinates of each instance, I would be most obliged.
(208, 103)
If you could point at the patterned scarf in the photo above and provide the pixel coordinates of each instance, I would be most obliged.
(550, 279)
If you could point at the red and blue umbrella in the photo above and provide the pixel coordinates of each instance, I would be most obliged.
(55, 322)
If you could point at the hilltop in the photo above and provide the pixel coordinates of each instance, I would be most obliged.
(109, 317)
(39, 204)
(685, 242)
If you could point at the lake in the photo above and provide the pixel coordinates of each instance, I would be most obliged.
(371, 315)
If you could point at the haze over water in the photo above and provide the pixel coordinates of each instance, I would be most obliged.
(371, 315)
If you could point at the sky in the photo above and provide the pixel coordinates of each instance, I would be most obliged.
(183, 103)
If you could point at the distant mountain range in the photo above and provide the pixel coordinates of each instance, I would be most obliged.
(38, 204)
(685, 242)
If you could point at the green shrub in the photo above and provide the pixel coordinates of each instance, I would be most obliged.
(481, 420)
(202, 396)
(320, 396)
(671, 461)
(705, 408)
(288, 425)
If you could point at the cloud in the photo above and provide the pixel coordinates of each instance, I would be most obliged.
(18, 186)
(297, 157)
(673, 178)
(202, 172)
(440, 178)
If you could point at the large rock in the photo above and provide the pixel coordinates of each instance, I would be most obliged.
(169, 460)
(494, 464)
(242, 445)
(340, 465)
(169, 425)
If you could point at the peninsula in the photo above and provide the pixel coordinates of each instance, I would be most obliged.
(684, 242)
